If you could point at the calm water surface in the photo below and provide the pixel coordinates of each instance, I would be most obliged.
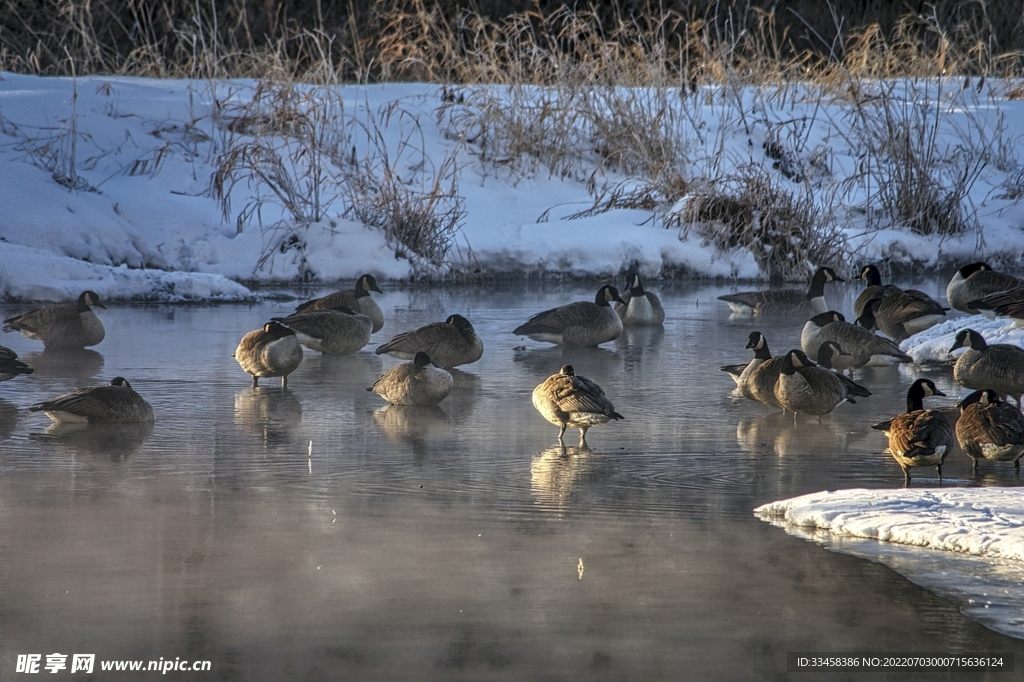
(456, 543)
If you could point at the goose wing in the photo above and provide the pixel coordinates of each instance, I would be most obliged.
(920, 432)
(772, 300)
(324, 323)
(579, 394)
(345, 299)
(41, 319)
(99, 403)
(557, 320)
(907, 305)
(427, 339)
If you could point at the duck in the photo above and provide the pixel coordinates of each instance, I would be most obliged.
(577, 324)
(449, 344)
(116, 402)
(785, 301)
(11, 366)
(999, 366)
(990, 429)
(568, 400)
(339, 331)
(1009, 304)
(919, 437)
(65, 326)
(757, 380)
(865, 347)
(414, 383)
(357, 299)
(805, 388)
(273, 351)
(974, 281)
(639, 307)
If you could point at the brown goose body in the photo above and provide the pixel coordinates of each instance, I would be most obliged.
(332, 332)
(899, 313)
(577, 324)
(865, 347)
(1009, 304)
(568, 400)
(639, 307)
(999, 366)
(805, 388)
(448, 344)
(357, 299)
(919, 437)
(66, 326)
(990, 428)
(115, 403)
(414, 383)
(784, 301)
(977, 280)
(273, 351)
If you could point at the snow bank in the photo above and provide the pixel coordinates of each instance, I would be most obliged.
(932, 345)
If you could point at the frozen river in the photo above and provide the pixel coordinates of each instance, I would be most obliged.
(315, 534)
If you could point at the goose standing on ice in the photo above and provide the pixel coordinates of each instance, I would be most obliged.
(414, 383)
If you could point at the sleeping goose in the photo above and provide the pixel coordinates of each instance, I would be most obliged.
(805, 388)
(568, 400)
(865, 347)
(990, 429)
(339, 331)
(273, 351)
(115, 403)
(449, 344)
(999, 366)
(1008, 304)
(785, 301)
(414, 383)
(975, 281)
(357, 299)
(577, 324)
(63, 326)
(919, 437)
(639, 307)
(10, 365)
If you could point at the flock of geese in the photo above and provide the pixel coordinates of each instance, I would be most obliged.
(983, 424)
(810, 380)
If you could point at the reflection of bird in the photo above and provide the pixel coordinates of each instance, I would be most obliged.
(999, 366)
(8, 418)
(1008, 304)
(11, 366)
(990, 428)
(116, 441)
(358, 299)
(784, 301)
(554, 473)
(273, 351)
(639, 307)
(116, 402)
(340, 331)
(805, 388)
(899, 313)
(975, 281)
(577, 324)
(414, 383)
(449, 344)
(918, 437)
(411, 423)
(83, 364)
(571, 401)
(62, 326)
(270, 413)
(775, 432)
(866, 347)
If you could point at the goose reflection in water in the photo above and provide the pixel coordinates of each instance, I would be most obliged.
(419, 426)
(8, 418)
(115, 440)
(83, 365)
(597, 363)
(775, 432)
(268, 412)
(555, 472)
(636, 342)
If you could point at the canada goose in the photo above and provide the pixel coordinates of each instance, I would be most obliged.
(975, 281)
(805, 388)
(414, 383)
(999, 366)
(990, 428)
(918, 437)
(639, 307)
(900, 313)
(571, 401)
(832, 356)
(756, 381)
(865, 347)
(358, 299)
(785, 301)
(10, 365)
(339, 331)
(449, 344)
(273, 351)
(62, 326)
(116, 402)
(577, 324)
(1003, 304)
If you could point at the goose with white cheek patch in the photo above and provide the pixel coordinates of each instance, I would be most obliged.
(273, 351)
(639, 307)
(899, 313)
(974, 281)
(357, 299)
(919, 437)
(115, 403)
(805, 388)
(577, 324)
(866, 347)
(568, 400)
(66, 326)
(999, 366)
(785, 301)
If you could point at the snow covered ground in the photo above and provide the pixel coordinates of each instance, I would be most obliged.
(107, 185)
(966, 544)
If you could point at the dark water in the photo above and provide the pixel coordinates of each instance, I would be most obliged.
(456, 543)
